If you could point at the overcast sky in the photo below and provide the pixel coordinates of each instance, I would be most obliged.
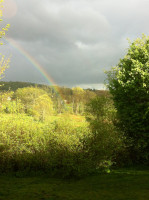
(74, 41)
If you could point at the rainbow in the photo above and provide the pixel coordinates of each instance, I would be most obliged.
(32, 60)
(34, 63)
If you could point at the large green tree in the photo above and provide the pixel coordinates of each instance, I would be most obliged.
(128, 82)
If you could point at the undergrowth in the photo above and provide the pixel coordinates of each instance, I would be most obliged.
(59, 147)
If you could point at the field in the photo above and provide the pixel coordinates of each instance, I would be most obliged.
(118, 185)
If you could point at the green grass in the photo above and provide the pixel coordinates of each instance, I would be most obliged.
(118, 185)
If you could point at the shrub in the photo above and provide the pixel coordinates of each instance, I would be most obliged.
(107, 141)
(56, 147)
(61, 147)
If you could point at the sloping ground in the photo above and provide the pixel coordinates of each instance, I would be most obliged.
(118, 185)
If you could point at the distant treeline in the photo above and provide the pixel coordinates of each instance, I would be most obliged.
(13, 86)
(63, 99)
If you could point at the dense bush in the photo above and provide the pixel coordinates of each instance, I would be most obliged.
(55, 147)
(107, 140)
(58, 147)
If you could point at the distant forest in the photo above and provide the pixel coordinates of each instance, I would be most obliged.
(14, 85)
(71, 100)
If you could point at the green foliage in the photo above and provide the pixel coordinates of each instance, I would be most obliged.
(8, 104)
(55, 147)
(107, 141)
(42, 107)
(13, 86)
(65, 100)
(100, 109)
(128, 83)
(62, 146)
(13, 106)
(36, 101)
(4, 62)
(78, 95)
(28, 95)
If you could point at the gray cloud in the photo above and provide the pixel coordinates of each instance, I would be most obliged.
(73, 40)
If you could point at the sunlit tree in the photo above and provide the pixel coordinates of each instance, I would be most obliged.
(4, 62)
(78, 96)
(43, 107)
(36, 101)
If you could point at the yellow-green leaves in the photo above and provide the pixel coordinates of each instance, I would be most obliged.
(36, 102)
(4, 63)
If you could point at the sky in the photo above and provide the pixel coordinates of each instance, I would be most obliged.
(70, 42)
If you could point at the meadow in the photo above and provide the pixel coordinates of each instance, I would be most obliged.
(121, 184)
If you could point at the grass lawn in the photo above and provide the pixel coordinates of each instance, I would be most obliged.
(118, 185)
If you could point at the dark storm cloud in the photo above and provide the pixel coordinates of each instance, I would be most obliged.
(74, 40)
